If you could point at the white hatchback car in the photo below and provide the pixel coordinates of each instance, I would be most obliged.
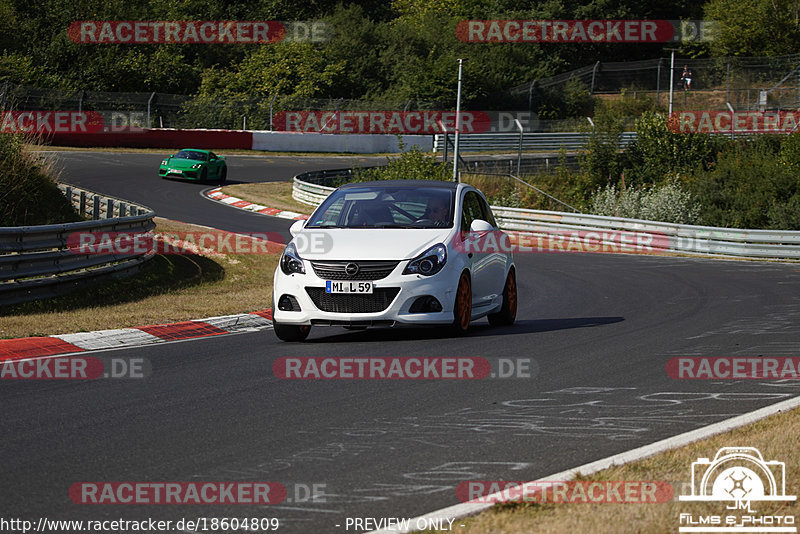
(393, 252)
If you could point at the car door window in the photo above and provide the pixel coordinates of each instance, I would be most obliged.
(487, 211)
(472, 210)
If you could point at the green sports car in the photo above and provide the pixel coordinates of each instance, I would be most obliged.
(194, 164)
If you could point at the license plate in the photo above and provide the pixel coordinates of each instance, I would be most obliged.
(348, 287)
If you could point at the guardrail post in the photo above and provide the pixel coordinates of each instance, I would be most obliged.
(68, 194)
(110, 209)
(96, 207)
(82, 208)
(122, 209)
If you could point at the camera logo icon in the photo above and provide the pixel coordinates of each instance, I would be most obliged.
(738, 474)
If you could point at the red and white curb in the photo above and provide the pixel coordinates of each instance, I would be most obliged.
(219, 196)
(34, 347)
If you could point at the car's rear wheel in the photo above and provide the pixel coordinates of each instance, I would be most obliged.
(291, 332)
(462, 310)
(508, 311)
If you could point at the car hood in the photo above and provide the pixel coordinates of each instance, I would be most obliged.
(180, 163)
(368, 243)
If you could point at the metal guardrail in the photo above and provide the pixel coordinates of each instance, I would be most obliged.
(667, 237)
(38, 262)
(307, 188)
(540, 142)
(596, 229)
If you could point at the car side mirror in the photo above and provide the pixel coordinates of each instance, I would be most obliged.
(480, 226)
(212, 159)
(297, 227)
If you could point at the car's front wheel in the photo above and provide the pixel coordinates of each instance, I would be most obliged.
(291, 332)
(462, 310)
(508, 311)
(223, 175)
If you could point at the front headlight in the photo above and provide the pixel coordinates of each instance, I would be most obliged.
(197, 165)
(164, 161)
(429, 262)
(291, 262)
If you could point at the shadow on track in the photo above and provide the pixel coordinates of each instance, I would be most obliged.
(407, 333)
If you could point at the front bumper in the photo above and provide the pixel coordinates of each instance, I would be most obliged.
(399, 290)
(166, 172)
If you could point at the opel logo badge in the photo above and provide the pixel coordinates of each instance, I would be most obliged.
(351, 269)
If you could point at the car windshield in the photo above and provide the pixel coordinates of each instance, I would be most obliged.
(191, 154)
(402, 206)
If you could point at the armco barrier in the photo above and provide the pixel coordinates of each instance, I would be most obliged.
(679, 238)
(36, 261)
(535, 141)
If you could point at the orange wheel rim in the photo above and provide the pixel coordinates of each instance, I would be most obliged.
(464, 302)
(512, 294)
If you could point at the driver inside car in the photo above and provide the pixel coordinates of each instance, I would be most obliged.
(438, 211)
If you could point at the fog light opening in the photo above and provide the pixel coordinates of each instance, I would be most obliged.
(426, 304)
(288, 303)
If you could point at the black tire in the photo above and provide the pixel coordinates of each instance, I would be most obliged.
(291, 332)
(204, 174)
(462, 308)
(223, 175)
(508, 311)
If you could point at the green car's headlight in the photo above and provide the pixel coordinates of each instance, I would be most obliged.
(197, 165)
(164, 161)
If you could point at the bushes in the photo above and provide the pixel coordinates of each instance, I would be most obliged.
(411, 165)
(669, 202)
(601, 159)
(659, 153)
(752, 185)
(28, 192)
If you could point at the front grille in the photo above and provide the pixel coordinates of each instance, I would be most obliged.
(329, 322)
(367, 269)
(378, 301)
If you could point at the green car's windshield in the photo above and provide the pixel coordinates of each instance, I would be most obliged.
(191, 154)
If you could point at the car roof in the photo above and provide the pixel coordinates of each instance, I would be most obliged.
(395, 183)
(196, 150)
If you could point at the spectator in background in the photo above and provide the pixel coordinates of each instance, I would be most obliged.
(686, 78)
